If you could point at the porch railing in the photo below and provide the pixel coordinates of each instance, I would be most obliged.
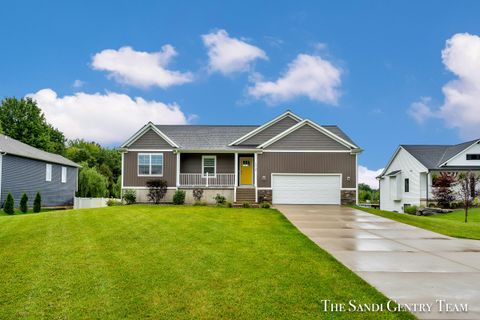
(200, 180)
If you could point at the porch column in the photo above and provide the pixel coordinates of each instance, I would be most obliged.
(255, 157)
(178, 170)
(236, 178)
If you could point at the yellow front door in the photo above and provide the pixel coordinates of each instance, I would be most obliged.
(246, 170)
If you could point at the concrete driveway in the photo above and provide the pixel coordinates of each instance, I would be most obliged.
(408, 264)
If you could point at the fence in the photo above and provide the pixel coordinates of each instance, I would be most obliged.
(81, 203)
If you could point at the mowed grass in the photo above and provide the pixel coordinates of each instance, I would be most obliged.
(172, 263)
(450, 224)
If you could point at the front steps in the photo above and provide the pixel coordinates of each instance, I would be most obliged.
(245, 195)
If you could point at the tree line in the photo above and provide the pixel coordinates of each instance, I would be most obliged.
(99, 176)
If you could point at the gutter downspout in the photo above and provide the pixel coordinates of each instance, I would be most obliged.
(426, 186)
(2, 153)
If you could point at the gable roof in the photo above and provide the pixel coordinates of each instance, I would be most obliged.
(313, 125)
(143, 130)
(14, 147)
(261, 128)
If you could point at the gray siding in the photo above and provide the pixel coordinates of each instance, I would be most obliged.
(150, 140)
(21, 175)
(192, 162)
(306, 162)
(270, 132)
(130, 170)
(307, 138)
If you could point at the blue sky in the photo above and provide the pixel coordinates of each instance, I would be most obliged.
(375, 68)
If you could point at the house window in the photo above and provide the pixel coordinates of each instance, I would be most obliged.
(407, 185)
(150, 164)
(473, 156)
(64, 174)
(209, 166)
(48, 172)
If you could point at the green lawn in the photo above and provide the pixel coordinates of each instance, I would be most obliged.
(450, 224)
(170, 262)
(29, 211)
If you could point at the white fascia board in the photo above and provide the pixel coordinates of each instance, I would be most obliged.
(313, 125)
(144, 129)
(210, 151)
(466, 149)
(265, 126)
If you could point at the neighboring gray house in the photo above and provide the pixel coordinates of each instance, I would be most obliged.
(24, 168)
(287, 160)
(407, 178)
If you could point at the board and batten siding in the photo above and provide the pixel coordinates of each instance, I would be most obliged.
(21, 175)
(130, 169)
(306, 162)
(411, 168)
(192, 162)
(270, 132)
(307, 138)
(150, 140)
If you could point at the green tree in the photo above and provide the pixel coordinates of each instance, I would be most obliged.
(8, 206)
(24, 203)
(91, 183)
(22, 119)
(37, 203)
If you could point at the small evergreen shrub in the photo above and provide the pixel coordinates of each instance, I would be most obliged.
(113, 203)
(129, 196)
(265, 205)
(246, 205)
(229, 204)
(199, 203)
(411, 209)
(37, 203)
(24, 203)
(219, 199)
(179, 197)
(8, 204)
(197, 194)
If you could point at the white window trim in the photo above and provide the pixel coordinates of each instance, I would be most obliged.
(150, 164)
(214, 167)
(48, 177)
(64, 175)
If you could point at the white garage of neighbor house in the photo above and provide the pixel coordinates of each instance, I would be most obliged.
(407, 178)
(288, 160)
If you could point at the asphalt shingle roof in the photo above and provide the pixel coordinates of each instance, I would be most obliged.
(218, 137)
(17, 148)
(432, 156)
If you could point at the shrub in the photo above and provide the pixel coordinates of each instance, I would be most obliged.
(265, 205)
(442, 189)
(113, 202)
(410, 209)
(197, 194)
(199, 203)
(246, 205)
(130, 196)
(157, 189)
(37, 203)
(179, 197)
(24, 203)
(219, 199)
(228, 204)
(8, 204)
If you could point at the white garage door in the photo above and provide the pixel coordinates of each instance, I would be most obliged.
(306, 189)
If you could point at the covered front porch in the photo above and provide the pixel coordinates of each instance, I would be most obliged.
(217, 170)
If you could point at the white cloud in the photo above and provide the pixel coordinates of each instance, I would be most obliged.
(141, 69)
(461, 108)
(420, 111)
(105, 118)
(78, 83)
(308, 75)
(228, 55)
(368, 176)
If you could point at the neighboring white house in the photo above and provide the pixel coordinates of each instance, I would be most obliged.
(407, 178)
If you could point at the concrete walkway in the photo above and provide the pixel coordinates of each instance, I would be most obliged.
(408, 264)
